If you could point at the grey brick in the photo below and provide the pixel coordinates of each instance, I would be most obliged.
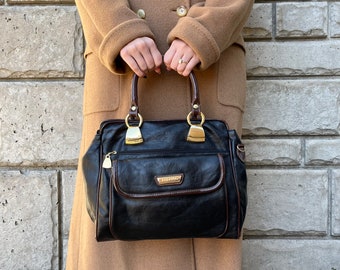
(292, 21)
(323, 151)
(334, 10)
(284, 107)
(296, 254)
(40, 42)
(259, 24)
(67, 192)
(65, 248)
(307, 58)
(273, 152)
(336, 202)
(28, 220)
(40, 123)
(68, 185)
(287, 202)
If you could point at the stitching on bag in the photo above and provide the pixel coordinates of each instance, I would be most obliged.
(175, 193)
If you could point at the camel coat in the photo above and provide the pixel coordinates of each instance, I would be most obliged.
(212, 28)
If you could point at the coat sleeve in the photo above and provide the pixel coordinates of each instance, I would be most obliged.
(212, 26)
(108, 26)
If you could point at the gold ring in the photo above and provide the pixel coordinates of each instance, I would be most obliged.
(181, 61)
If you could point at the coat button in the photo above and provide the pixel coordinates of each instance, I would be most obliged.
(141, 13)
(182, 11)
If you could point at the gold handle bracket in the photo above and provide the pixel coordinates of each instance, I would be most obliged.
(196, 132)
(133, 133)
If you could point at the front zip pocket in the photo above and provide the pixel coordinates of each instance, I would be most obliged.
(166, 175)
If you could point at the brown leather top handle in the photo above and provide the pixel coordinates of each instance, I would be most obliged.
(195, 102)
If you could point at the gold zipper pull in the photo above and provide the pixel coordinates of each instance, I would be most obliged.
(107, 164)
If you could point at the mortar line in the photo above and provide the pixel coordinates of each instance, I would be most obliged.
(274, 21)
(60, 221)
(330, 201)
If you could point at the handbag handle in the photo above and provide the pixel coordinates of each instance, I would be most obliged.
(196, 132)
(195, 103)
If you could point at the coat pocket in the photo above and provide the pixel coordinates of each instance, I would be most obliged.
(102, 88)
(231, 87)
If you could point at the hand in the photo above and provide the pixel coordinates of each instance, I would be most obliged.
(181, 58)
(142, 56)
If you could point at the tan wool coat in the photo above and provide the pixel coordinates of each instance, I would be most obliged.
(212, 28)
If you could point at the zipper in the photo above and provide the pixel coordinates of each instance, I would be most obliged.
(107, 163)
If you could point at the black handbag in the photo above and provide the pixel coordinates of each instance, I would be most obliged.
(165, 179)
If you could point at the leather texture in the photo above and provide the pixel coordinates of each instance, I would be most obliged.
(127, 203)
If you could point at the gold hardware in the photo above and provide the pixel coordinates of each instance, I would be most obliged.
(241, 152)
(196, 132)
(107, 164)
(240, 147)
(141, 13)
(133, 133)
(133, 136)
(181, 11)
(169, 180)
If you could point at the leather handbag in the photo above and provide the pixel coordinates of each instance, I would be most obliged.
(165, 179)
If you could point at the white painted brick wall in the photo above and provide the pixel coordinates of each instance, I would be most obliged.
(292, 254)
(29, 219)
(259, 25)
(291, 133)
(287, 202)
(68, 178)
(294, 58)
(335, 214)
(40, 42)
(292, 21)
(40, 122)
(334, 11)
(291, 129)
(274, 151)
(286, 107)
(323, 152)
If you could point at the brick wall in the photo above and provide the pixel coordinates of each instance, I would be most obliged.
(292, 136)
(41, 71)
(291, 131)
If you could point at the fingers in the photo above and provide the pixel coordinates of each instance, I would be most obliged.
(184, 67)
(142, 56)
(181, 58)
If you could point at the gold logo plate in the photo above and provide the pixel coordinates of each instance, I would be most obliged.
(169, 180)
